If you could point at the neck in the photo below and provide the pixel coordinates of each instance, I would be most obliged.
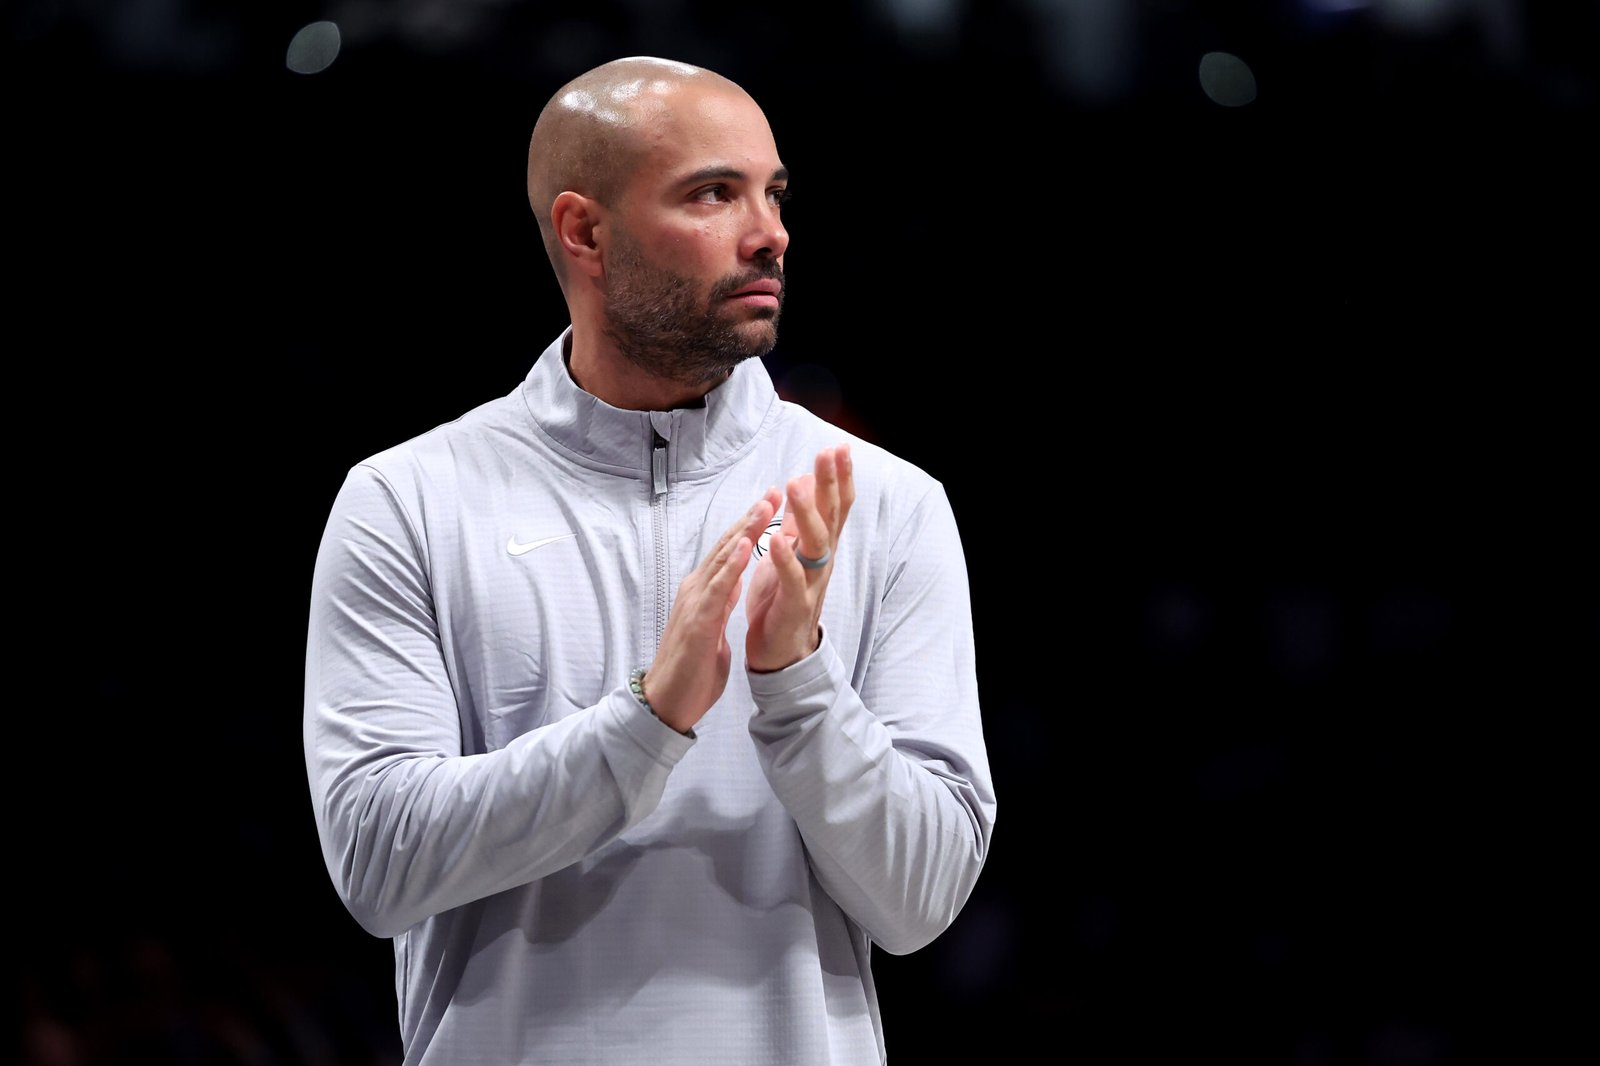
(600, 370)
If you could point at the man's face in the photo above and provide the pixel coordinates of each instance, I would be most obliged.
(694, 260)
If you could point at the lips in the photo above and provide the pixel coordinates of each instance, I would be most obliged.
(764, 287)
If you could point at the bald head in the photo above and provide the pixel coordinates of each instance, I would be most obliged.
(593, 133)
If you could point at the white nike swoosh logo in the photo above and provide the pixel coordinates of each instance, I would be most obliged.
(522, 549)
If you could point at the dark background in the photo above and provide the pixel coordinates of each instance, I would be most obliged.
(1267, 427)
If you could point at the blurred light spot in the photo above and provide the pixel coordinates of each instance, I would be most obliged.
(932, 24)
(362, 21)
(1419, 16)
(1302, 634)
(814, 388)
(438, 26)
(314, 48)
(1176, 620)
(442, 25)
(1092, 46)
(1405, 1044)
(1504, 35)
(1227, 79)
(167, 35)
(1321, 16)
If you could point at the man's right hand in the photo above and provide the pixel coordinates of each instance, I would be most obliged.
(691, 665)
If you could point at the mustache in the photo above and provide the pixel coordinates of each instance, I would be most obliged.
(731, 285)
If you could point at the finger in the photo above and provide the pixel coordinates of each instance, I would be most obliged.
(719, 586)
(750, 524)
(814, 539)
(792, 576)
(761, 514)
(730, 574)
(732, 531)
(726, 548)
(761, 518)
(844, 465)
(792, 486)
(827, 481)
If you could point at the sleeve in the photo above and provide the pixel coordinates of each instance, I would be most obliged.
(409, 826)
(890, 787)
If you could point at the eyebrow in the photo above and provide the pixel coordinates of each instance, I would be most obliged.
(727, 172)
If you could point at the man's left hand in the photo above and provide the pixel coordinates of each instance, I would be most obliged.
(784, 602)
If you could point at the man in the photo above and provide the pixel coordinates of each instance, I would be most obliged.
(612, 805)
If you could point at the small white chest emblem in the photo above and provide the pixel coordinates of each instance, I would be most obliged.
(522, 549)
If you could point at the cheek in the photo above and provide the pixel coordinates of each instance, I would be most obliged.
(700, 247)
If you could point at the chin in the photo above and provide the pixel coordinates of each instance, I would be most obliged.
(763, 338)
(764, 320)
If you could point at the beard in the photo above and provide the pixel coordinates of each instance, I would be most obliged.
(660, 321)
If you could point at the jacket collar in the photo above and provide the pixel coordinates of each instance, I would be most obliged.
(699, 438)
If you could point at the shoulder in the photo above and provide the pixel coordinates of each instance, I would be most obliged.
(450, 450)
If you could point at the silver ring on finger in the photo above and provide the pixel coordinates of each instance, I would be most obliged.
(814, 564)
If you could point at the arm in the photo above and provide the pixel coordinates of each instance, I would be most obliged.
(890, 787)
(409, 825)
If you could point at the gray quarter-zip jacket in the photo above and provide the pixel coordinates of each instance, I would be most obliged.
(566, 879)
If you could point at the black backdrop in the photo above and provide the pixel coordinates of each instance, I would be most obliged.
(1265, 424)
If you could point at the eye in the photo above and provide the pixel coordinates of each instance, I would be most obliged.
(779, 197)
(711, 194)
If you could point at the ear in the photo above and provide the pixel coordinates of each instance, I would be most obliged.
(575, 218)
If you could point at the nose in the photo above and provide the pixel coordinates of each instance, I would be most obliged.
(764, 236)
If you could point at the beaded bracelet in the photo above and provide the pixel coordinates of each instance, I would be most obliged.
(636, 686)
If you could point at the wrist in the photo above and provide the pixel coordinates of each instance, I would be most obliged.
(771, 664)
(636, 687)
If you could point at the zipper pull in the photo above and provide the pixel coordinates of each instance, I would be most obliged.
(658, 465)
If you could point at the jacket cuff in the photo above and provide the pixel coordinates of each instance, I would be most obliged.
(651, 742)
(804, 687)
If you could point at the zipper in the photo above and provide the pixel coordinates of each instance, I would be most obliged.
(658, 531)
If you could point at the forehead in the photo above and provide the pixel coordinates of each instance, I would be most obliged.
(700, 128)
